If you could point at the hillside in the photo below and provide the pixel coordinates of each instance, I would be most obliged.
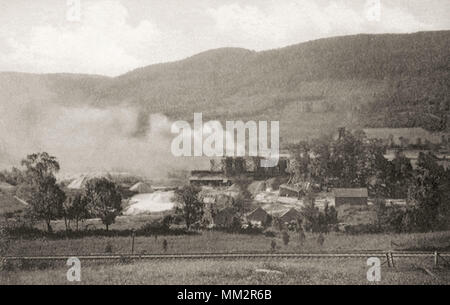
(388, 80)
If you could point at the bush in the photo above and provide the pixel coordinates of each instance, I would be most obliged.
(362, 229)
(165, 245)
(108, 247)
(125, 260)
(269, 233)
(154, 228)
(26, 265)
(22, 230)
(251, 230)
(157, 227)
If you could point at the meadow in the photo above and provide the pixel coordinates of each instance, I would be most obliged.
(203, 272)
(216, 241)
(304, 271)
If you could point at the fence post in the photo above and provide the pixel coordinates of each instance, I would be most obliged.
(392, 259)
(388, 259)
(132, 242)
(436, 258)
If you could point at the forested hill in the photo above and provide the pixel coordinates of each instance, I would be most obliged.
(386, 80)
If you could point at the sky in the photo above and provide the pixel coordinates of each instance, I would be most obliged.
(112, 37)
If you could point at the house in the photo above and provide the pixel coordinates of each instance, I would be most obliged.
(258, 217)
(290, 215)
(353, 196)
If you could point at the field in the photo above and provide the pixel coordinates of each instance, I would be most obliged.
(214, 241)
(209, 271)
(311, 271)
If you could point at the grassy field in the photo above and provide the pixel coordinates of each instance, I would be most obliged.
(305, 271)
(311, 271)
(214, 241)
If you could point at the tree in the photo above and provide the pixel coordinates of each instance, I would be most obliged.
(190, 206)
(331, 215)
(40, 189)
(301, 162)
(310, 213)
(399, 174)
(350, 161)
(381, 211)
(4, 244)
(76, 208)
(4, 240)
(104, 199)
(428, 193)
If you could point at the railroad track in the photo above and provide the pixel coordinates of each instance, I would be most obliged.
(363, 254)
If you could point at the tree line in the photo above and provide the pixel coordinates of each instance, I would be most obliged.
(47, 201)
(353, 160)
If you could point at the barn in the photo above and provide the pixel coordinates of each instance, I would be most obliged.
(352, 196)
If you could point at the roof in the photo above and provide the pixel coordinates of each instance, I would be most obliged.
(10, 203)
(291, 210)
(351, 192)
(408, 133)
(141, 187)
(290, 214)
(6, 186)
(81, 182)
(258, 212)
(206, 176)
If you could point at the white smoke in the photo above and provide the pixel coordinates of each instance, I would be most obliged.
(88, 139)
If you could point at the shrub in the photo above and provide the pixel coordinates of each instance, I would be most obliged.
(269, 233)
(108, 247)
(320, 239)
